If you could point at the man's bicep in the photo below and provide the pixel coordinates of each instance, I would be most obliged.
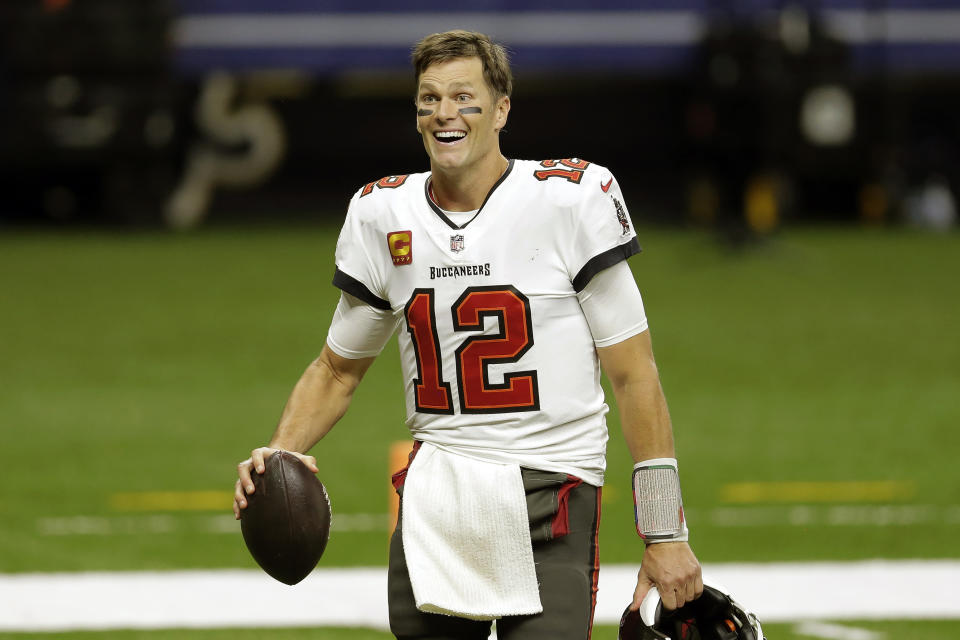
(349, 371)
(358, 333)
(628, 358)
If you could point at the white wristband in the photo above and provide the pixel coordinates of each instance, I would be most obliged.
(658, 505)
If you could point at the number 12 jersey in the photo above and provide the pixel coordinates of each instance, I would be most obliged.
(498, 360)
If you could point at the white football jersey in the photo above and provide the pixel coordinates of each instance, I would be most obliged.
(498, 360)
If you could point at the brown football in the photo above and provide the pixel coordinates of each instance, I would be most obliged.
(286, 524)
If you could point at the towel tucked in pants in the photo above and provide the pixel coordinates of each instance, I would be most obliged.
(566, 556)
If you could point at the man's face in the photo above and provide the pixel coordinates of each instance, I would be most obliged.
(457, 114)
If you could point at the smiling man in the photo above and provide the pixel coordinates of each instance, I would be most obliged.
(508, 283)
(460, 117)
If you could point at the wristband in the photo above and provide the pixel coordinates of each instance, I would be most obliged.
(657, 503)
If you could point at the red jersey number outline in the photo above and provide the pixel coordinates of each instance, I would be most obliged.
(519, 391)
(389, 182)
(573, 172)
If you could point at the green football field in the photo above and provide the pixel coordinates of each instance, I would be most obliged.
(813, 383)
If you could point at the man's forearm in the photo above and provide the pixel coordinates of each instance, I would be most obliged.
(671, 566)
(318, 401)
(644, 417)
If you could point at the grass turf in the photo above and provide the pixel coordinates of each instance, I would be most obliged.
(153, 361)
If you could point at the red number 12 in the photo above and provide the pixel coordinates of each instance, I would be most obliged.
(517, 392)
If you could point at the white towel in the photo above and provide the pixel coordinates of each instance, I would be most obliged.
(467, 538)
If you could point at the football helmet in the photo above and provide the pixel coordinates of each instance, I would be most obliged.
(712, 616)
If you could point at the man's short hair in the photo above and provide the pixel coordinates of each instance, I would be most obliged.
(449, 45)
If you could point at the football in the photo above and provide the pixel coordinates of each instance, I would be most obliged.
(286, 524)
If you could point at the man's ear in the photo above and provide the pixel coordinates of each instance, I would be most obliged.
(503, 110)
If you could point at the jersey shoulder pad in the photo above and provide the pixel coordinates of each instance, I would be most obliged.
(571, 180)
(375, 199)
(565, 170)
(396, 184)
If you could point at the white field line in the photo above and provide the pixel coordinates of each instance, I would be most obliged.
(874, 515)
(357, 597)
(169, 523)
(835, 632)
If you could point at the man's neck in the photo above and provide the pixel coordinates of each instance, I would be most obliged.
(466, 190)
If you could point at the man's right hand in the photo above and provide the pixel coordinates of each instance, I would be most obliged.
(257, 461)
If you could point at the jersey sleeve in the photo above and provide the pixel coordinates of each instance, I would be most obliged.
(604, 233)
(358, 330)
(613, 306)
(359, 270)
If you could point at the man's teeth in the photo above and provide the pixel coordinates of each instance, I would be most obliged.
(449, 135)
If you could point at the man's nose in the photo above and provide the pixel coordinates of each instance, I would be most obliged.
(447, 110)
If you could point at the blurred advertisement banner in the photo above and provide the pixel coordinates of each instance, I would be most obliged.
(647, 34)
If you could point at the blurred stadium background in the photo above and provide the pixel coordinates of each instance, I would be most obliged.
(174, 175)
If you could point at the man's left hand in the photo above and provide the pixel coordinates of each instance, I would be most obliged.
(673, 569)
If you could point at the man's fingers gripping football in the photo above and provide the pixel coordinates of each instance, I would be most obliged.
(243, 471)
(258, 457)
(255, 461)
(239, 499)
(309, 461)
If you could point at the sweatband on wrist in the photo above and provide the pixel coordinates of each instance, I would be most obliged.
(658, 506)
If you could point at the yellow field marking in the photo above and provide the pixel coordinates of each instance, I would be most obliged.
(751, 492)
(171, 501)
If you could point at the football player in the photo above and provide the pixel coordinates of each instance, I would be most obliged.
(507, 282)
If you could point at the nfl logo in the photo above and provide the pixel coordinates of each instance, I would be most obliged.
(456, 243)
